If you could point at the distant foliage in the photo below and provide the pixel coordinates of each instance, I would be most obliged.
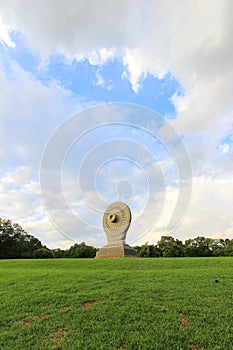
(81, 251)
(169, 246)
(16, 243)
(43, 253)
(58, 253)
(200, 246)
(147, 251)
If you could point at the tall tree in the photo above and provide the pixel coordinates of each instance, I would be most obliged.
(199, 246)
(147, 251)
(169, 246)
(229, 247)
(81, 251)
(15, 242)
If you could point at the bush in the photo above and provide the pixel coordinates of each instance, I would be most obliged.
(43, 253)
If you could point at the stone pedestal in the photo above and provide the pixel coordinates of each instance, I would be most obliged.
(116, 251)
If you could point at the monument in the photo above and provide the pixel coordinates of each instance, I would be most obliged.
(116, 222)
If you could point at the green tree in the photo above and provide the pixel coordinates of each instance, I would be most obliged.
(170, 247)
(218, 247)
(15, 242)
(148, 251)
(81, 251)
(229, 247)
(58, 253)
(43, 253)
(199, 246)
(144, 251)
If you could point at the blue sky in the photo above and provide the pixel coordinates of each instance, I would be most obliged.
(105, 82)
(173, 60)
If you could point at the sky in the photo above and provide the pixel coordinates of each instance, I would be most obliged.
(110, 100)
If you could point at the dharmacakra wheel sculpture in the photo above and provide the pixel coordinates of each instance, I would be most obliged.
(116, 222)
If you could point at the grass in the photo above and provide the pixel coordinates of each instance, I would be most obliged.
(117, 304)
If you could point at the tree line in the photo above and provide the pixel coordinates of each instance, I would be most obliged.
(200, 246)
(16, 243)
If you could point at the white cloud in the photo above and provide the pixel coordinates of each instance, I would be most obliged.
(29, 114)
(100, 80)
(27, 123)
(76, 27)
(189, 39)
(4, 34)
(225, 148)
(101, 56)
(209, 214)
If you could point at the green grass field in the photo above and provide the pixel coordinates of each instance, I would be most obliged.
(164, 303)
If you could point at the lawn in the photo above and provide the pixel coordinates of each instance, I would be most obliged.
(117, 304)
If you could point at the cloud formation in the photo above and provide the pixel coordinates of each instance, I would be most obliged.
(29, 114)
(191, 40)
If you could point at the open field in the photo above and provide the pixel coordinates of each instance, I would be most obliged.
(166, 303)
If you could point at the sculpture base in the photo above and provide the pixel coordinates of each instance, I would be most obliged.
(118, 251)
